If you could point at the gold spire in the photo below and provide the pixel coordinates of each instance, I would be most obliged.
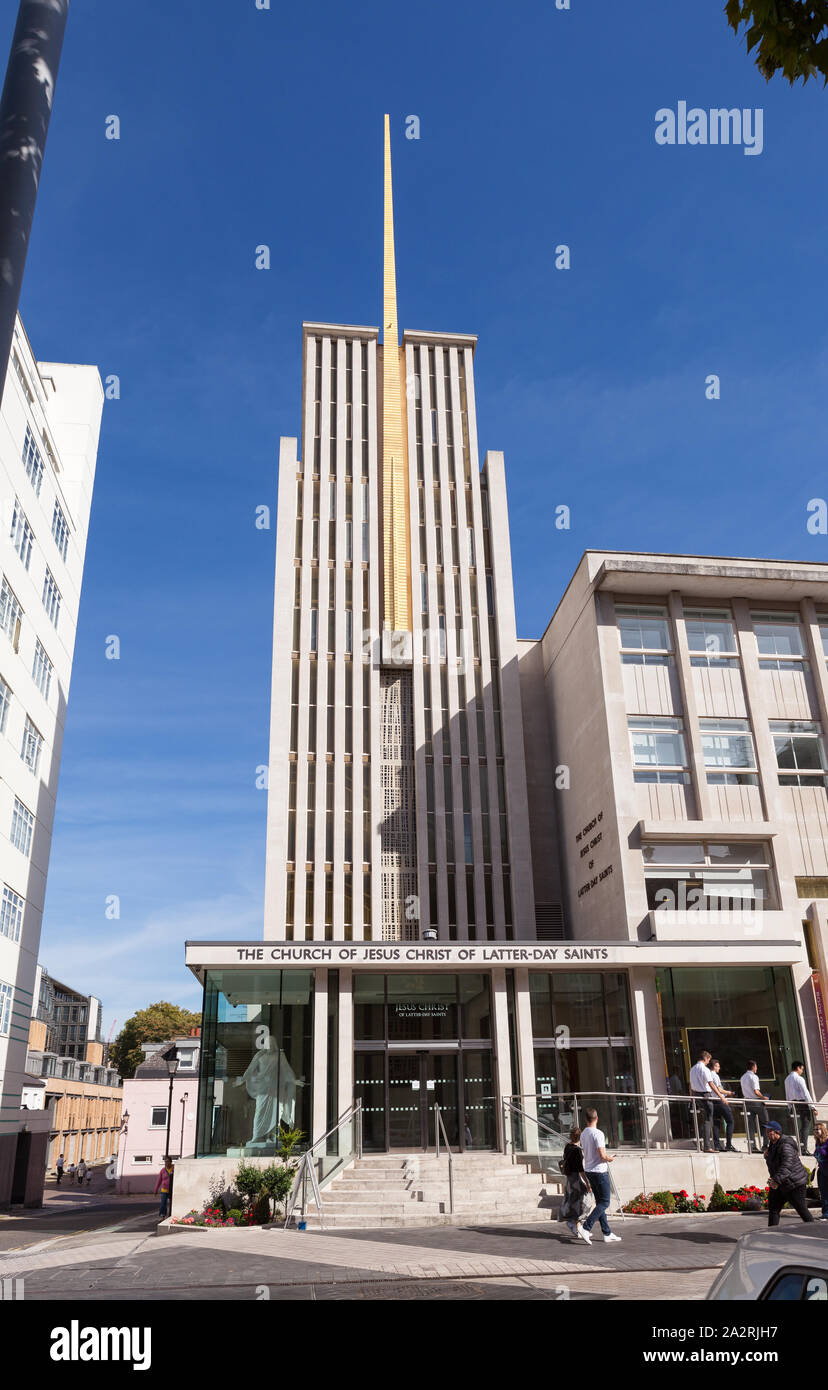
(396, 530)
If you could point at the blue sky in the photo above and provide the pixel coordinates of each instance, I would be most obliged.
(242, 126)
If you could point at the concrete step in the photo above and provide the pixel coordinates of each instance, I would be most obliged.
(511, 1204)
(424, 1165)
(433, 1192)
(350, 1222)
(487, 1182)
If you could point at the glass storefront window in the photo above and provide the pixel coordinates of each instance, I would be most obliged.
(589, 1003)
(369, 1007)
(421, 1007)
(475, 1006)
(570, 1080)
(739, 1013)
(256, 1060)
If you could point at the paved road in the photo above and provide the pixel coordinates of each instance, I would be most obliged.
(70, 1211)
(116, 1258)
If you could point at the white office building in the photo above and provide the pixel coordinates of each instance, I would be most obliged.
(49, 428)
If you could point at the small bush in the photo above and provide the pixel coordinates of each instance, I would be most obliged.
(665, 1200)
(686, 1203)
(719, 1199)
(644, 1205)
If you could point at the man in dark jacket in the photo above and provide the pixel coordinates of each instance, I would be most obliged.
(786, 1176)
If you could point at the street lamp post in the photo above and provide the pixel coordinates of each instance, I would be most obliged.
(25, 109)
(184, 1100)
(171, 1060)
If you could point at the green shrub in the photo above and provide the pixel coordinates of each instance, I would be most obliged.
(277, 1182)
(248, 1183)
(720, 1200)
(664, 1199)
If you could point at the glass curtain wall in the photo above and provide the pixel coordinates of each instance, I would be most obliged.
(583, 1047)
(256, 1060)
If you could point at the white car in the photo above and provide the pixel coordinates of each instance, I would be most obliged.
(777, 1264)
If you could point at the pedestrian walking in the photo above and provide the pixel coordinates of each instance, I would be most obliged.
(722, 1110)
(164, 1184)
(576, 1187)
(89, 1177)
(821, 1151)
(702, 1081)
(81, 1172)
(787, 1178)
(596, 1166)
(70, 1171)
(797, 1091)
(59, 1167)
(757, 1111)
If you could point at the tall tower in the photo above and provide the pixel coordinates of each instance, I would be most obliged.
(397, 784)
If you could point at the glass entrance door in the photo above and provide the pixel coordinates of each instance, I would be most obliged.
(415, 1081)
(398, 1091)
(406, 1101)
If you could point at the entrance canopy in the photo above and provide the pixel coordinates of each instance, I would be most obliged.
(407, 955)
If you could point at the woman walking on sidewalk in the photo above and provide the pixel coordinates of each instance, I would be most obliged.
(576, 1186)
(821, 1151)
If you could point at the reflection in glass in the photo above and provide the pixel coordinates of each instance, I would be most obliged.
(256, 1060)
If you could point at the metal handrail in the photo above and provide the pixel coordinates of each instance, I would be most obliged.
(356, 1111)
(438, 1127)
(305, 1169)
(533, 1119)
(738, 1104)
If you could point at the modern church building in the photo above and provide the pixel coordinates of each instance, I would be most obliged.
(506, 873)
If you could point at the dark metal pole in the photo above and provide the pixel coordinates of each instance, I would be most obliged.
(169, 1115)
(25, 109)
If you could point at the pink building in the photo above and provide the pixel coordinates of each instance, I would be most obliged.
(147, 1111)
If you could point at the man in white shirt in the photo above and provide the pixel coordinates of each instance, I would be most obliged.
(757, 1114)
(596, 1167)
(705, 1087)
(797, 1091)
(722, 1110)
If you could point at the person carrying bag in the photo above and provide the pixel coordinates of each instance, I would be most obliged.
(573, 1208)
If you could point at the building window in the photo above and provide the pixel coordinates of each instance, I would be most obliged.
(645, 635)
(22, 827)
(21, 534)
(711, 637)
(32, 462)
(159, 1117)
(142, 1158)
(710, 877)
(51, 598)
(60, 530)
(6, 993)
(658, 749)
(5, 701)
(778, 635)
(11, 914)
(11, 614)
(727, 746)
(42, 669)
(32, 746)
(800, 753)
